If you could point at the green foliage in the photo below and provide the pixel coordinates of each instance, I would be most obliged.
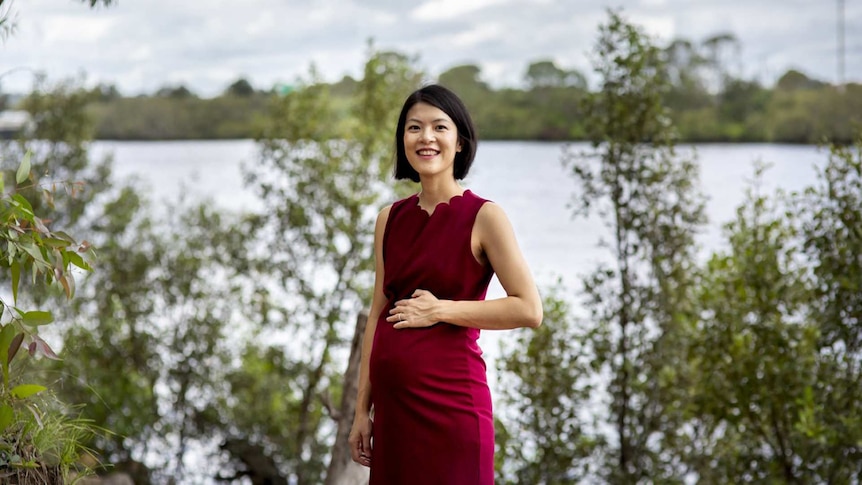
(151, 334)
(544, 389)
(776, 348)
(157, 118)
(793, 80)
(546, 74)
(756, 361)
(35, 432)
(648, 199)
(830, 215)
(240, 87)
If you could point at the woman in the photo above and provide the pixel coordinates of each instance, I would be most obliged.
(435, 252)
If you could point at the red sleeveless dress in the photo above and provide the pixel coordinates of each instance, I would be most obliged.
(432, 406)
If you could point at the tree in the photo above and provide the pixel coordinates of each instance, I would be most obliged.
(175, 92)
(466, 81)
(716, 46)
(830, 218)
(546, 74)
(755, 361)
(793, 80)
(241, 87)
(151, 332)
(646, 194)
(463, 77)
(684, 69)
(544, 377)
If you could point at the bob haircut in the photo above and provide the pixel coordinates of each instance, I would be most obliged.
(449, 103)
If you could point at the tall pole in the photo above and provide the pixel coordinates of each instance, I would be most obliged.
(841, 45)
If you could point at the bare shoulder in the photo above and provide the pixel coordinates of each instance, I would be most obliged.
(383, 216)
(492, 218)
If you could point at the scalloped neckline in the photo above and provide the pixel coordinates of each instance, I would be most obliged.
(445, 204)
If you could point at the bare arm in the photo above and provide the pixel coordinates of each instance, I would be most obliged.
(360, 435)
(522, 306)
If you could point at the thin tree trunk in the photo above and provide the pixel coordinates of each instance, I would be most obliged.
(342, 470)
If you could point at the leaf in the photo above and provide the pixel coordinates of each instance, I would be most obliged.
(57, 243)
(40, 226)
(14, 346)
(33, 251)
(78, 261)
(44, 348)
(7, 415)
(24, 391)
(7, 335)
(66, 287)
(64, 236)
(37, 317)
(24, 204)
(16, 277)
(23, 169)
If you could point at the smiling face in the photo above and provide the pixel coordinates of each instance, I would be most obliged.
(430, 140)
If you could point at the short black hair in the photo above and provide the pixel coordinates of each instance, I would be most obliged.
(449, 103)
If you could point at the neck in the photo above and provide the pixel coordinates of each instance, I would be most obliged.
(436, 191)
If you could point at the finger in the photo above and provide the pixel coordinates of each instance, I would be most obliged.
(366, 445)
(354, 452)
(419, 293)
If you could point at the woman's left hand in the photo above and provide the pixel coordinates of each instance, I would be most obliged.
(415, 312)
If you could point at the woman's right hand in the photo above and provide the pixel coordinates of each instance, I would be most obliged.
(360, 440)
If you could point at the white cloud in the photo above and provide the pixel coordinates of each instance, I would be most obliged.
(449, 9)
(478, 34)
(142, 45)
(74, 28)
(657, 26)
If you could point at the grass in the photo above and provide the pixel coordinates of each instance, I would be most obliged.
(44, 444)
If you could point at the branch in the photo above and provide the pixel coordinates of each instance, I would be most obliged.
(333, 412)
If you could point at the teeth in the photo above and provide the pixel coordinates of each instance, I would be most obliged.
(427, 152)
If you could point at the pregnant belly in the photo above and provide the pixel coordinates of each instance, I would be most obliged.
(442, 360)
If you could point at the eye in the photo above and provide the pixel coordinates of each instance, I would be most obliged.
(412, 127)
(442, 127)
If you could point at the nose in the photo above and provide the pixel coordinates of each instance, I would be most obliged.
(427, 134)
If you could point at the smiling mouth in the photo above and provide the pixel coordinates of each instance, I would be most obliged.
(427, 152)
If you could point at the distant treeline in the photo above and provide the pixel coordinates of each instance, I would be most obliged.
(705, 100)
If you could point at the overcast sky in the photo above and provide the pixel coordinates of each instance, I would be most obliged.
(141, 45)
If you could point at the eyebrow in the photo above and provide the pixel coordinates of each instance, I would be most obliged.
(438, 120)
